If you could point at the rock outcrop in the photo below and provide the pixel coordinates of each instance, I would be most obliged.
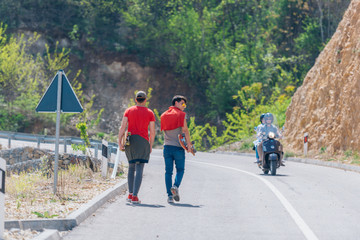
(327, 105)
(114, 84)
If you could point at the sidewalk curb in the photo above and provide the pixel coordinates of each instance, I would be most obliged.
(48, 234)
(89, 208)
(51, 227)
(334, 164)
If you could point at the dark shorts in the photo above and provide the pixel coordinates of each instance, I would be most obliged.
(138, 150)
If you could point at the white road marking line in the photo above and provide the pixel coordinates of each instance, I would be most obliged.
(308, 233)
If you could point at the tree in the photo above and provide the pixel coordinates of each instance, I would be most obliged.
(18, 70)
(23, 79)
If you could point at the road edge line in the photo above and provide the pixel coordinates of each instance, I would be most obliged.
(305, 229)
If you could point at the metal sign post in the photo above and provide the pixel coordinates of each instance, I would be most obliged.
(58, 109)
(104, 162)
(59, 97)
(305, 143)
(2, 196)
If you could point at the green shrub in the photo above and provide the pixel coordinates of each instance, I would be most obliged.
(289, 154)
(239, 125)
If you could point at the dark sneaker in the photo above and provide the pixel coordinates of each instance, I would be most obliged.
(175, 192)
(129, 198)
(135, 200)
(170, 199)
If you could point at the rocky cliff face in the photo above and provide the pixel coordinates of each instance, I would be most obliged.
(327, 105)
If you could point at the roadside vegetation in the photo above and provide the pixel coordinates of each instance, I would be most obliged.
(347, 157)
(30, 195)
(241, 58)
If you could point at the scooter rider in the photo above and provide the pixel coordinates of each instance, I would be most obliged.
(268, 127)
(265, 129)
(258, 140)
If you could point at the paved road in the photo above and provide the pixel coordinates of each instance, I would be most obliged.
(227, 197)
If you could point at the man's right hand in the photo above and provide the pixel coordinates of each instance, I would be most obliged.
(190, 149)
(121, 147)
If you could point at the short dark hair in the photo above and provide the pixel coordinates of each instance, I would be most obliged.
(178, 98)
(262, 117)
(140, 100)
(140, 96)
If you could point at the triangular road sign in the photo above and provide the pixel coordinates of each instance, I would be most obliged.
(69, 101)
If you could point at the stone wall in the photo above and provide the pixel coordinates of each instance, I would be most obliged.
(28, 159)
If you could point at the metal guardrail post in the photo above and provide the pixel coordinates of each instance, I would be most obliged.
(38, 142)
(116, 164)
(9, 142)
(109, 152)
(65, 142)
(96, 149)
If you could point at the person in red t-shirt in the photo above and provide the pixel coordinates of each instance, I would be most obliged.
(138, 119)
(173, 123)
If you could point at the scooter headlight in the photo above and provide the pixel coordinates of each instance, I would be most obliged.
(271, 135)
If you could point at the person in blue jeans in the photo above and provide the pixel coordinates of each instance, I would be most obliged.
(173, 123)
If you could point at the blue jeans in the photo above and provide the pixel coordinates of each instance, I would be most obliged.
(173, 154)
(256, 151)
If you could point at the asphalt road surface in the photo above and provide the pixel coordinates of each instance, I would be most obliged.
(228, 197)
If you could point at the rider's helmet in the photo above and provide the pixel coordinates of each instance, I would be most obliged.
(269, 116)
(261, 117)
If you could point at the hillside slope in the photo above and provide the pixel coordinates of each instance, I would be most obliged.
(327, 105)
(114, 79)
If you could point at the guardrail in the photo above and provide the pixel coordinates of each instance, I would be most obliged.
(46, 139)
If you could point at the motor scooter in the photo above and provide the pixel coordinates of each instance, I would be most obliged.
(271, 155)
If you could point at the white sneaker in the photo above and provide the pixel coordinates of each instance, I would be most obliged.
(170, 199)
(175, 191)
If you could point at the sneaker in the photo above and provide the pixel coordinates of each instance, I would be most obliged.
(135, 199)
(170, 199)
(175, 192)
(129, 198)
(282, 163)
(257, 161)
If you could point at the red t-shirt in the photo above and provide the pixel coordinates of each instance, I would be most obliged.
(173, 118)
(138, 120)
